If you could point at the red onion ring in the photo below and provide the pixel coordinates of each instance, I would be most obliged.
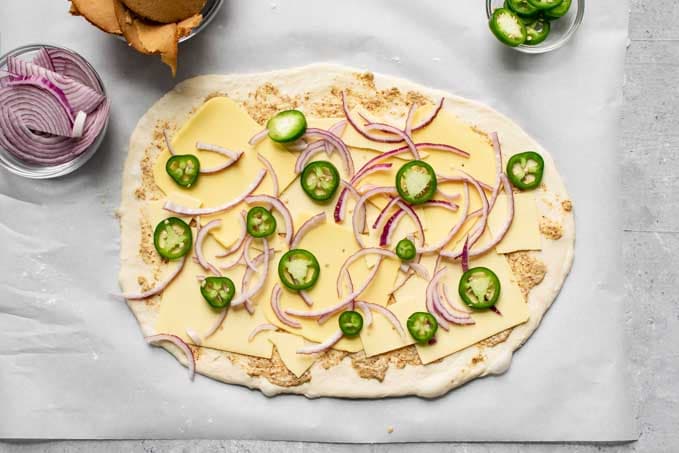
(36, 109)
(250, 263)
(391, 317)
(260, 328)
(280, 314)
(377, 225)
(297, 145)
(258, 137)
(193, 335)
(508, 222)
(341, 206)
(433, 290)
(426, 121)
(168, 143)
(155, 339)
(321, 347)
(361, 130)
(419, 269)
(453, 304)
(404, 137)
(337, 143)
(410, 212)
(241, 238)
(464, 262)
(160, 286)
(409, 119)
(344, 270)
(367, 314)
(217, 324)
(306, 298)
(272, 173)
(431, 308)
(278, 206)
(69, 65)
(247, 295)
(306, 226)
(359, 206)
(79, 124)
(390, 226)
(337, 129)
(232, 155)
(178, 209)
(200, 238)
(43, 59)
(453, 231)
(498, 165)
(441, 204)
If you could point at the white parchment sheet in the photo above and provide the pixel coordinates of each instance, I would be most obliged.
(73, 363)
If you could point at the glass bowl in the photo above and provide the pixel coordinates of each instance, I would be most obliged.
(562, 29)
(35, 171)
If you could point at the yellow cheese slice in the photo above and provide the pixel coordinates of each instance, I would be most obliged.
(183, 307)
(381, 336)
(154, 212)
(524, 233)
(287, 346)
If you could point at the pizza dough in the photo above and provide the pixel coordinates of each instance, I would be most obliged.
(315, 89)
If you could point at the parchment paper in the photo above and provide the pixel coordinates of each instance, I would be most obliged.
(72, 360)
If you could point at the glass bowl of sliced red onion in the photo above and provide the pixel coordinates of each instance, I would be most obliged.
(54, 111)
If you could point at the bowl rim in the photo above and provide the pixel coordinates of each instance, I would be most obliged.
(555, 45)
(54, 171)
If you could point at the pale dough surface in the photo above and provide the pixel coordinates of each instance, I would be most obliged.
(342, 379)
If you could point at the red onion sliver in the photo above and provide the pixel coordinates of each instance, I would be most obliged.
(498, 165)
(367, 314)
(443, 147)
(409, 119)
(508, 222)
(260, 328)
(361, 130)
(178, 209)
(391, 317)
(214, 270)
(241, 239)
(238, 260)
(79, 124)
(404, 137)
(369, 171)
(447, 196)
(200, 238)
(155, 339)
(341, 207)
(453, 231)
(426, 121)
(321, 347)
(337, 129)
(344, 270)
(303, 158)
(217, 324)
(36, 109)
(71, 66)
(168, 143)
(297, 145)
(338, 144)
(193, 335)
(377, 225)
(280, 314)
(441, 204)
(306, 226)
(258, 137)
(160, 286)
(43, 59)
(464, 262)
(431, 308)
(415, 218)
(246, 254)
(419, 269)
(247, 295)
(306, 298)
(272, 173)
(278, 206)
(232, 155)
(359, 207)
(390, 226)
(452, 303)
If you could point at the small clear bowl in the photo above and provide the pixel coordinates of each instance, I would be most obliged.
(562, 29)
(209, 12)
(35, 171)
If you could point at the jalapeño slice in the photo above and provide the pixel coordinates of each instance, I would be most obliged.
(183, 169)
(320, 180)
(351, 323)
(558, 11)
(479, 288)
(260, 222)
(172, 238)
(545, 4)
(218, 291)
(405, 249)
(287, 126)
(537, 31)
(525, 170)
(298, 269)
(422, 326)
(521, 7)
(416, 182)
(508, 27)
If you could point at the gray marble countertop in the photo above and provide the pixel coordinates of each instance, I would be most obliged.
(650, 161)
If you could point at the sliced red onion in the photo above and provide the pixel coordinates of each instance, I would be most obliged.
(508, 222)
(155, 339)
(42, 84)
(321, 347)
(344, 270)
(481, 224)
(71, 66)
(382, 216)
(441, 204)
(178, 209)
(229, 154)
(360, 205)
(168, 143)
(453, 304)
(337, 129)
(367, 314)
(220, 167)
(443, 147)
(272, 173)
(391, 317)
(258, 137)
(453, 231)
(200, 277)
(260, 328)
(464, 261)
(303, 158)
(217, 324)
(200, 238)
(214, 270)
(419, 269)
(79, 124)
(160, 286)
(393, 130)
(306, 298)
(313, 222)
(431, 308)
(402, 283)
(448, 196)
(337, 143)
(280, 314)
(241, 238)
(363, 172)
(235, 262)
(426, 121)
(42, 58)
(278, 206)
(35, 109)
(195, 338)
(79, 96)
(341, 206)
(409, 119)
(390, 227)
(452, 317)
(297, 145)
(498, 166)
(246, 255)
(249, 307)
(410, 212)
(252, 292)
(362, 130)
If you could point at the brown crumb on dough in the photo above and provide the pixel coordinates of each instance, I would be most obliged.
(146, 247)
(275, 371)
(143, 283)
(266, 101)
(496, 339)
(376, 367)
(332, 358)
(551, 229)
(367, 79)
(390, 429)
(528, 270)
(197, 351)
(216, 94)
(567, 205)
(477, 359)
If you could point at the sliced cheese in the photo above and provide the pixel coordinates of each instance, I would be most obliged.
(287, 346)
(524, 232)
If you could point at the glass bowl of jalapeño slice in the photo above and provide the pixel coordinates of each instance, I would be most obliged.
(535, 26)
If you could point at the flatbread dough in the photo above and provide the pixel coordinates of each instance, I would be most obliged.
(540, 274)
